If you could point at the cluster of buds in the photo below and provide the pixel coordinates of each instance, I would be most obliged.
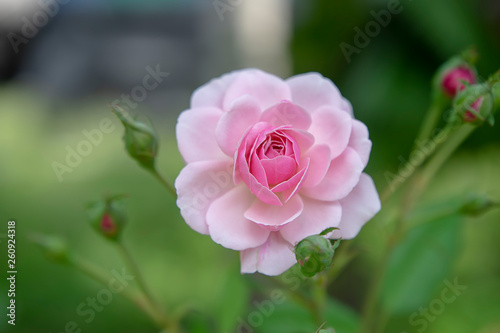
(457, 80)
(107, 216)
(315, 253)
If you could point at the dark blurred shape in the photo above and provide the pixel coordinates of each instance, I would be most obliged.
(92, 47)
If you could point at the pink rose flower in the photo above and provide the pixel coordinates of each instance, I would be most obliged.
(270, 162)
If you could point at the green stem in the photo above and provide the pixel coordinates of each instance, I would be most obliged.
(413, 164)
(314, 304)
(170, 325)
(446, 151)
(168, 185)
(341, 260)
(413, 193)
(371, 302)
(431, 119)
(319, 297)
(102, 277)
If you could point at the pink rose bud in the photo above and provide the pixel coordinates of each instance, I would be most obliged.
(470, 117)
(453, 80)
(108, 226)
(271, 162)
(107, 216)
(478, 102)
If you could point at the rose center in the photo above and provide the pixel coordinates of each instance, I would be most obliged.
(277, 157)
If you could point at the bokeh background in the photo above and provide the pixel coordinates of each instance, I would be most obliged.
(58, 81)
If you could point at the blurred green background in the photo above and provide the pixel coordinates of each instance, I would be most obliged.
(43, 111)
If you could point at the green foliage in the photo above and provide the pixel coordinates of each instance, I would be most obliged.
(420, 263)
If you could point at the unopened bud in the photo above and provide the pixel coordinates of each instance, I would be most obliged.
(107, 216)
(454, 75)
(140, 139)
(476, 103)
(454, 80)
(477, 205)
(471, 116)
(315, 254)
(53, 247)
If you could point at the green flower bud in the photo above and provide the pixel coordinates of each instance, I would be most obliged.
(476, 104)
(55, 248)
(477, 205)
(107, 216)
(141, 141)
(315, 254)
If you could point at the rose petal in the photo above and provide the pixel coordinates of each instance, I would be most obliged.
(279, 169)
(267, 89)
(272, 258)
(257, 170)
(359, 141)
(342, 176)
(244, 112)
(274, 217)
(195, 132)
(316, 217)
(332, 127)
(263, 193)
(227, 225)
(212, 93)
(198, 184)
(248, 141)
(311, 91)
(346, 106)
(286, 113)
(302, 140)
(358, 207)
(293, 185)
(242, 169)
(320, 158)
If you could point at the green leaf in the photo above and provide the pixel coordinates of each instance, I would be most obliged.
(197, 322)
(327, 231)
(420, 263)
